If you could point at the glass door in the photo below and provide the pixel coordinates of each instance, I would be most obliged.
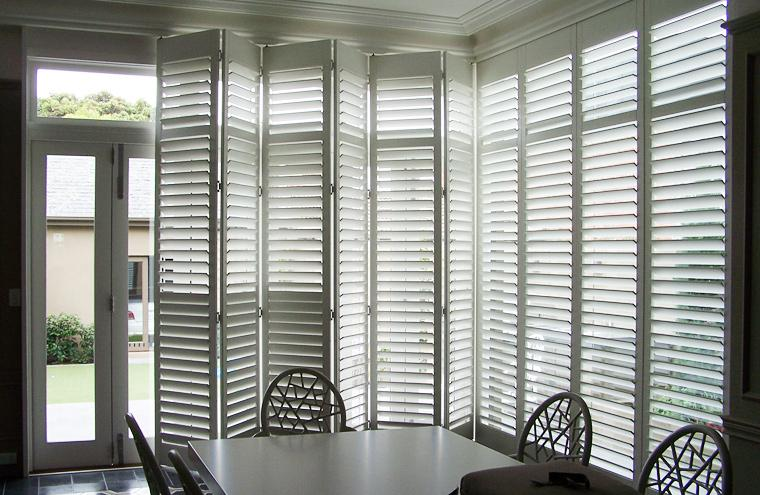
(71, 304)
(92, 302)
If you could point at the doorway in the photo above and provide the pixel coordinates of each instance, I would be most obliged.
(92, 210)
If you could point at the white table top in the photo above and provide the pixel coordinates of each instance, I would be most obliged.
(409, 461)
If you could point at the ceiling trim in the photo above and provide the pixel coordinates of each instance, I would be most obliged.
(319, 11)
(492, 12)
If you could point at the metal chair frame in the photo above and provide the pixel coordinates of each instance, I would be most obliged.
(154, 475)
(693, 466)
(561, 430)
(297, 402)
(189, 485)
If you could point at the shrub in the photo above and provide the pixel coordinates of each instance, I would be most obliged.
(68, 340)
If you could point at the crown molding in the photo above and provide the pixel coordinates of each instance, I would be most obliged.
(492, 12)
(533, 23)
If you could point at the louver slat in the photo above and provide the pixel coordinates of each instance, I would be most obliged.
(352, 281)
(548, 230)
(406, 225)
(609, 216)
(498, 224)
(296, 174)
(459, 222)
(687, 221)
(239, 237)
(188, 74)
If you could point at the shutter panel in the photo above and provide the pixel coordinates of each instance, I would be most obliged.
(239, 297)
(687, 217)
(188, 75)
(460, 233)
(351, 233)
(609, 233)
(498, 137)
(296, 168)
(406, 226)
(548, 220)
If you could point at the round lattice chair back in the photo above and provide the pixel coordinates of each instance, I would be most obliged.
(302, 400)
(560, 429)
(692, 460)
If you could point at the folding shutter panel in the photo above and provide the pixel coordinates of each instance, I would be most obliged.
(687, 216)
(406, 225)
(239, 297)
(460, 190)
(498, 140)
(352, 229)
(188, 79)
(296, 184)
(548, 216)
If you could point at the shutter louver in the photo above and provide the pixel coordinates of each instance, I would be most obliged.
(406, 205)
(239, 236)
(497, 271)
(188, 74)
(460, 224)
(548, 230)
(351, 234)
(687, 217)
(609, 216)
(297, 81)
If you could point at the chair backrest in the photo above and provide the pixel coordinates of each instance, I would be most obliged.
(189, 485)
(692, 460)
(153, 474)
(301, 400)
(560, 429)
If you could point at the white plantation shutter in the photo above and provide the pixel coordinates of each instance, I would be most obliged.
(188, 80)
(687, 216)
(239, 297)
(296, 196)
(351, 233)
(498, 139)
(406, 225)
(548, 218)
(609, 232)
(460, 190)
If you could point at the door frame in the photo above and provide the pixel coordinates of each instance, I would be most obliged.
(47, 455)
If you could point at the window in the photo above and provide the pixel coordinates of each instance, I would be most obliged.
(602, 227)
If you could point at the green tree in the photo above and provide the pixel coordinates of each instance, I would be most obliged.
(98, 106)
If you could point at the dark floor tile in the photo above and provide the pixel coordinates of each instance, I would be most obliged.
(89, 487)
(55, 480)
(89, 477)
(124, 486)
(56, 490)
(21, 486)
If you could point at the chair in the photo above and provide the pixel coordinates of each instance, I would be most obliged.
(299, 401)
(693, 459)
(560, 429)
(189, 484)
(154, 475)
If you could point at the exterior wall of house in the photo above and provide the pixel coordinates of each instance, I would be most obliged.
(70, 272)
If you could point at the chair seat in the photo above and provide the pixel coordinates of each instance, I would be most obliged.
(176, 485)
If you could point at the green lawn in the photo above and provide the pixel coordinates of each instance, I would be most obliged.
(67, 383)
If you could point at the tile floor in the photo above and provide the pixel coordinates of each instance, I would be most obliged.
(115, 481)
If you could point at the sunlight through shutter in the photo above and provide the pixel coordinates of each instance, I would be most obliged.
(687, 209)
(296, 167)
(406, 223)
(351, 234)
(497, 211)
(188, 75)
(548, 223)
(239, 297)
(459, 287)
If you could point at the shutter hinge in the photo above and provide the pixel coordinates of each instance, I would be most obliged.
(332, 188)
(260, 312)
(369, 424)
(332, 314)
(221, 55)
(218, 186)
(111, 304)
(443, 192)
(218, 317)
(332, 64)
(443, 311)
(261, 191)
(369, 309)
(369, 193)
(261, 70)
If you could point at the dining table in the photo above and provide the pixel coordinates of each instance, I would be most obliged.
(426, 460)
